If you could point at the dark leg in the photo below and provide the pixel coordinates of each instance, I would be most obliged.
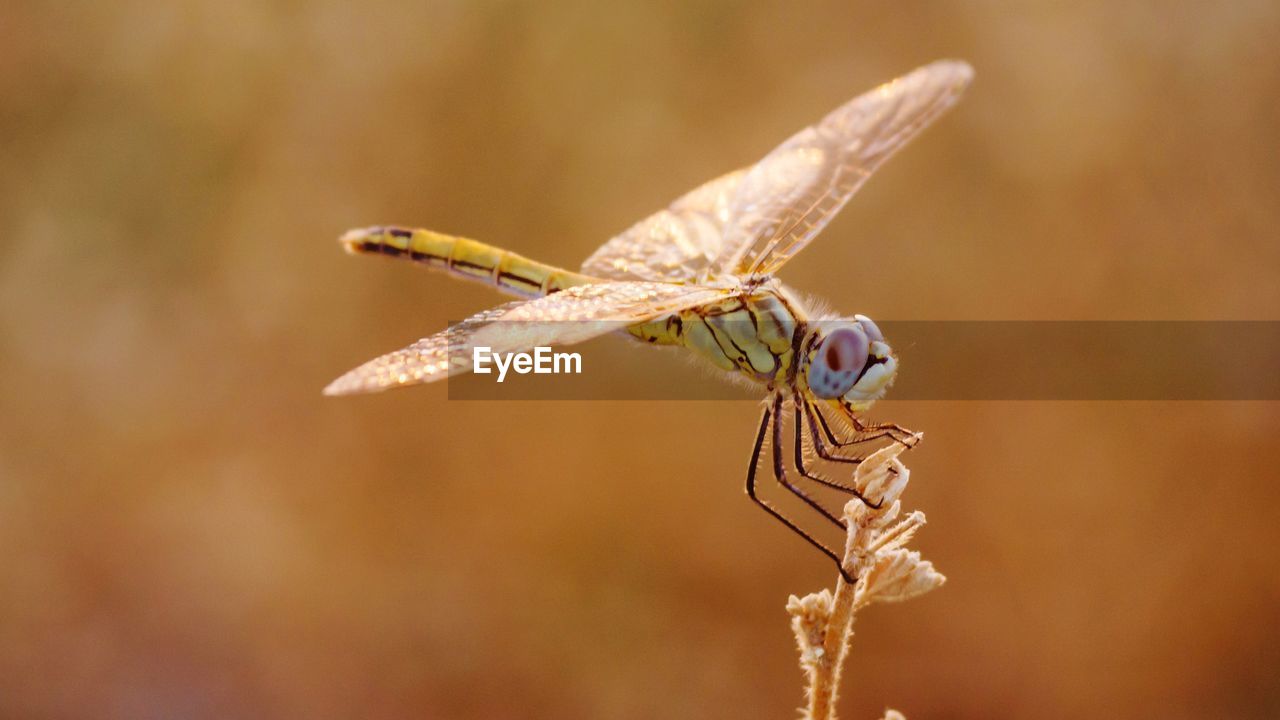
(893, 430)
(768, 420)
(819, 446)
(780, 469)
(803, 412)
(868, 433)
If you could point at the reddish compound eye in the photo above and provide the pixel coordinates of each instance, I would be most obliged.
(840, 359)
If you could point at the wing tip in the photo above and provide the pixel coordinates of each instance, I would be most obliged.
(337, 387)
(350, 383)
(960, 70)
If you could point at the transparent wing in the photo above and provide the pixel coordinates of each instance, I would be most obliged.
(674, 244)
(787, 198)
(566, 317)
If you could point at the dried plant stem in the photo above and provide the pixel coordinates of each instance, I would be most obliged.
(884, 570)
(824, 681)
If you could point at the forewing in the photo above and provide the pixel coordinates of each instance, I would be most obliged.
(564, 318)
(787, 198)
(674, 244)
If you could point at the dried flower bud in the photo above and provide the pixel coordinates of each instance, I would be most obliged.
(898, 575)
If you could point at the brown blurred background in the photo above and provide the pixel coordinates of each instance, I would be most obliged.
(188, 529)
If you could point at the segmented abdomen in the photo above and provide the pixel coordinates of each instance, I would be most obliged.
(509, 272)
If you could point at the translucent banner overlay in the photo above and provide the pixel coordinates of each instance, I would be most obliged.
(937, 360)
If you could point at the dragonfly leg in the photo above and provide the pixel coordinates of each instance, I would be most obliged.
(866, 432)
(802, 412)
(780, 469)
(819, 446)
(767, 421)
(893, 430)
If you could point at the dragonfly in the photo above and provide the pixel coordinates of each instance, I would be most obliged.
(701, 274)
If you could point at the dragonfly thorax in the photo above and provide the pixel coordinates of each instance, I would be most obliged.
(752, 334)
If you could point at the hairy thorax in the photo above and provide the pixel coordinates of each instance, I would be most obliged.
(753, 333)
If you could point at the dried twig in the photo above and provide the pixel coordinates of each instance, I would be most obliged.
(885, 571)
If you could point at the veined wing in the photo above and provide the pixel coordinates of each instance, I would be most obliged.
(787, 198)
(566, 317)
(674, 244)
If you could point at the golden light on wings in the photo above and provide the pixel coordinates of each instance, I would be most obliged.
(673, 244)
(564, 318)
(787, 198)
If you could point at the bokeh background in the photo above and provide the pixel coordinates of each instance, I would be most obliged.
(188, 529)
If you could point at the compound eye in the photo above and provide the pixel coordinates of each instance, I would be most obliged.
(873, 331)
(840, 360)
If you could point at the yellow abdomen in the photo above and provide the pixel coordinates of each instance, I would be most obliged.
(470, 259)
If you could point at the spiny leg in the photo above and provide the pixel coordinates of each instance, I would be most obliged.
(767, 420)
(813, 416)
(780, 469)
(863, 439)
(801, 411)
(819, 446)
(897, 432)
(812, 412)
(868, 433)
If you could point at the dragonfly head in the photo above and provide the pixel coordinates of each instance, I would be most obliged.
(849, 359)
